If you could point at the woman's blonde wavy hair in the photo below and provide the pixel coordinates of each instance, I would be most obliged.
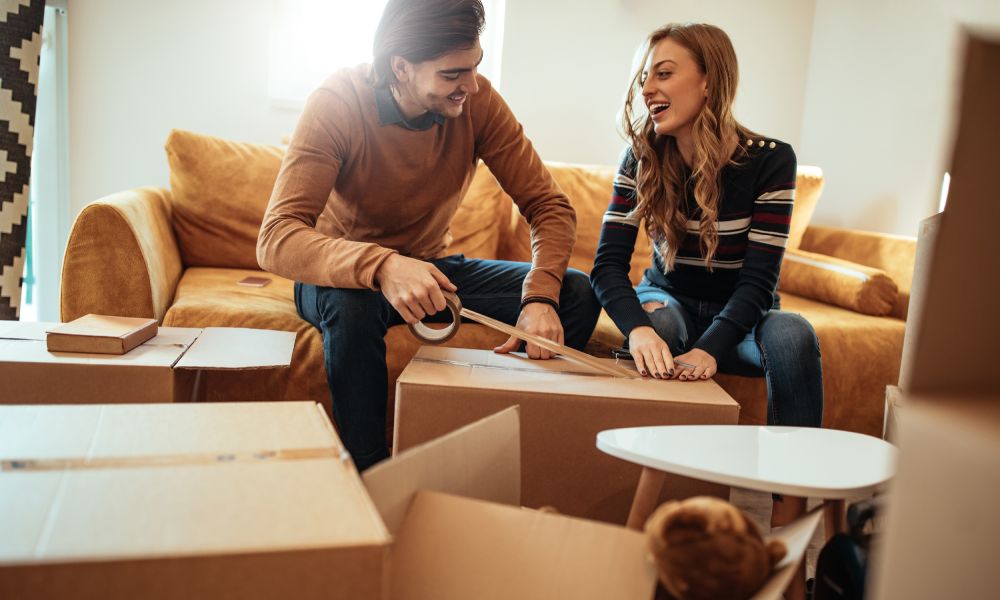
(660, 180)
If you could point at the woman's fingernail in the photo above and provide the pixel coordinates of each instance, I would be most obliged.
(643, 372)
(670, 372)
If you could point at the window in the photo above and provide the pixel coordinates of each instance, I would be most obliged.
(310, 39)
(48, 196)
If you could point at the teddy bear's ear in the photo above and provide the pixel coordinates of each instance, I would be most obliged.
(658, 520)
(776, 551)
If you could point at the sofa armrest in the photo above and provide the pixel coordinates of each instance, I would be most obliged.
(122, 257)
(894, 254)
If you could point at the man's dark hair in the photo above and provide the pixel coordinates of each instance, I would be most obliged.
(420, 30)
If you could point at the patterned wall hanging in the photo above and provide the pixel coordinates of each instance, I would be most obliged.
(20, 47)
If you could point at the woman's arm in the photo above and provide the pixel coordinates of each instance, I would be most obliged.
(614, 252)
(754, 294)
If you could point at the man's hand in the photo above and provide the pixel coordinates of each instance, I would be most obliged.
(702, 363)
(650, 353)
(413, 287)
(540, 319)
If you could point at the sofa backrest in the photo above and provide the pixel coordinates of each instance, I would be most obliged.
(221, 189)
(589, 190)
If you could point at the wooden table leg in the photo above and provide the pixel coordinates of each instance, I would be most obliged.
(646, 496)
(834, 518)
(783, 512)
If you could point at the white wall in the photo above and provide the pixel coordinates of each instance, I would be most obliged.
(142, 67)
(879, 106)
(139, 68)
(566, 65)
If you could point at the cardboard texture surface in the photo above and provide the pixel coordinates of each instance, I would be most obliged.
(964, 235)
(796, 536)
(257, 501)
(941, 526)
(160, 370)
(101, 334)
(481, 460)
(450, 548)
(563, 407)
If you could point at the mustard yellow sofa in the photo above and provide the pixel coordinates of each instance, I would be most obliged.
(178, 254)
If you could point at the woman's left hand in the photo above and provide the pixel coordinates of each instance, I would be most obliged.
(702, 365)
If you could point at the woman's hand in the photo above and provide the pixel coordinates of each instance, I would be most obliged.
(650, 353)
(701, 365)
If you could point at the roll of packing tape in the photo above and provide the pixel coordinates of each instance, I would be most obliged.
(435, 335)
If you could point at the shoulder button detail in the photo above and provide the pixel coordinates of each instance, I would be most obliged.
(749, 142)
(761, 143)
(772, 145)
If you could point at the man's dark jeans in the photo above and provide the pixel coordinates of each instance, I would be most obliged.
(353, 323)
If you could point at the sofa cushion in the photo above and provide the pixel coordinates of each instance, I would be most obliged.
(476, 227)
(589, 190)
(210, 297)
(808, 187)
(840, 282)
(220, 191)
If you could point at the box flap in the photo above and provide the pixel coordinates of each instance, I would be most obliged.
(483, 369)
(239, 348)
(35, 351)
(452, 548)
(211, 478)
(796, 536)
(24, 330)
(481, 460)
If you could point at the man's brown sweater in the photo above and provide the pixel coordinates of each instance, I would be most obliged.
(352, 191)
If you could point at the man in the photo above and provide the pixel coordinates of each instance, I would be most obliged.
(359, 216)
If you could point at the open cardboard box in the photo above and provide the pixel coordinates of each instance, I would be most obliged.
(163, 369)
(563, 407)
(260, 500)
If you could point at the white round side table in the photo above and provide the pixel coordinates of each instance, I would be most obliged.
(797, 461)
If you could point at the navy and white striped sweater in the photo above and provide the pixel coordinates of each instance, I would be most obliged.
(755, 210)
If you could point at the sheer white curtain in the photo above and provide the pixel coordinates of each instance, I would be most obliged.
(312, 38)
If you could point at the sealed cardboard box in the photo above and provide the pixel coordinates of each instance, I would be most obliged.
(233, 500)
(563, 407)
(164, 369)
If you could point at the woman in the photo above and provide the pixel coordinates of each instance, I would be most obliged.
(716, 199)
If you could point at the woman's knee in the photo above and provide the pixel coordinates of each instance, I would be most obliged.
(668, 322)
(788, 332)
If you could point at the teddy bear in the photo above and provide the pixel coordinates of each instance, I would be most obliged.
(706, 548)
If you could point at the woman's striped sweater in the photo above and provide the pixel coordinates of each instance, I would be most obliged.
(754, 214)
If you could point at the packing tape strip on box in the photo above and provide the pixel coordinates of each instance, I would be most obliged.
(440, 336)
(111, 462)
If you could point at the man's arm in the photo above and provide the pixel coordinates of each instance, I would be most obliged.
(501, 143)
(288, 243)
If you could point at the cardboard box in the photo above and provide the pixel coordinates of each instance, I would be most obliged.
(563, 408)
(449, 547)
(231, 500)
(102, 334)
(259, 500)
(164, 369)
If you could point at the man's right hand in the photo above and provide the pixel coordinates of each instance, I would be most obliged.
(413, 287)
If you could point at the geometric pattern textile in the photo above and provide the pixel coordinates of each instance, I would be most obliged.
(20, 48)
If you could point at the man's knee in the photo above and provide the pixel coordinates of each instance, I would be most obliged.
(579, 294)
(350, 310)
